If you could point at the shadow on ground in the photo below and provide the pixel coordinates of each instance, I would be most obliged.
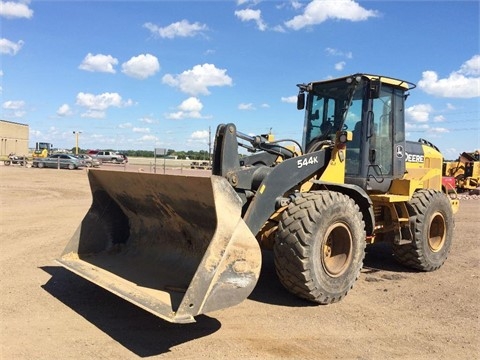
(269, 290)
(139, 331)
(147, 335)
(379, 257)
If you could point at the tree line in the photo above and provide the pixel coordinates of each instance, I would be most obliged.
(182, 155)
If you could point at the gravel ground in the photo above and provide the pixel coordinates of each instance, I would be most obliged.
(47, 312)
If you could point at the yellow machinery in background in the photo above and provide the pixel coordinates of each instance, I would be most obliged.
(466, 170)
(42, 150)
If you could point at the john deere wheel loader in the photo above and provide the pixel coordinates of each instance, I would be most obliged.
(180, 246)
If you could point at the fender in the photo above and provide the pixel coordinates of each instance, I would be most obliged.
(358, 195)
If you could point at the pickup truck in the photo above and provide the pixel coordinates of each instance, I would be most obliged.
(109, 156)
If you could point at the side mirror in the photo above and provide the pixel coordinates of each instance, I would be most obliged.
(375, 88)
(301, 101)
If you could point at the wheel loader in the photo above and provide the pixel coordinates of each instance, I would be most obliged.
(465, 171)
(181, 246)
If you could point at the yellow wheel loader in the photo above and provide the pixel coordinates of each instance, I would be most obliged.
(466, 170)
(180, 246)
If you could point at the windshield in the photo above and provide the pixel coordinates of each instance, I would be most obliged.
(327, 105)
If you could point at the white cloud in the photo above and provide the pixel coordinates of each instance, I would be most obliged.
(141, 66)
(252, 15)
(450, 153)
(189, 109)
(296, 4)
(290, 99)
(278, 28)
(418, 121)
(419, 113)
(125, 125)
(141, 130)
(471, 67)
(197, 80)
(192, 104)
(179, 29)
(147, 119)
(15, 108)
(413, 126)
(10, 9)
(336, 52)
(97, 104)
(9, 47)
(99, 62)
(148, 138)
(64, 110)
(463, 83)
(13, 104)
(318, 11)
(199, 135)
(244, 106)
(93, 114)
(439, 130)
(340, 65)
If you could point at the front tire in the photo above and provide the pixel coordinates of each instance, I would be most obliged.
(433, 232)
(320, 246)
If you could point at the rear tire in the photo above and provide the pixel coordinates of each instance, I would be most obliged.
(320, 246)
(433, 232)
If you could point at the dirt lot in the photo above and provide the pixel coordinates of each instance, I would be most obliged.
(46, 312)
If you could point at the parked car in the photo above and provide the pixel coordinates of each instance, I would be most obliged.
(125, 157)
(65, 161)
(109, 156)
(88, 160)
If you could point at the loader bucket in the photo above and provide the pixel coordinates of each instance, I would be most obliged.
(175, 246)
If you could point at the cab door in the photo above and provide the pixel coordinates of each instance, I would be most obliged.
(385, 139)
(376, 154)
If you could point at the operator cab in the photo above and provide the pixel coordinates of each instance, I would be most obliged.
(372, 108)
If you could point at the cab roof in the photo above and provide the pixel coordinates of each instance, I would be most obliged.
(403, 84)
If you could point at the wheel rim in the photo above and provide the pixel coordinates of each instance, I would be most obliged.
(436, 232)
(337, 250)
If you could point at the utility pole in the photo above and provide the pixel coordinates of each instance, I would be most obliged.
(210, 145)
(76, 133)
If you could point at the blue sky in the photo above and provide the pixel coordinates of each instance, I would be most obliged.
(147, 74)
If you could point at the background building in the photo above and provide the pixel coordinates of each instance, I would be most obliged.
(13, 138)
